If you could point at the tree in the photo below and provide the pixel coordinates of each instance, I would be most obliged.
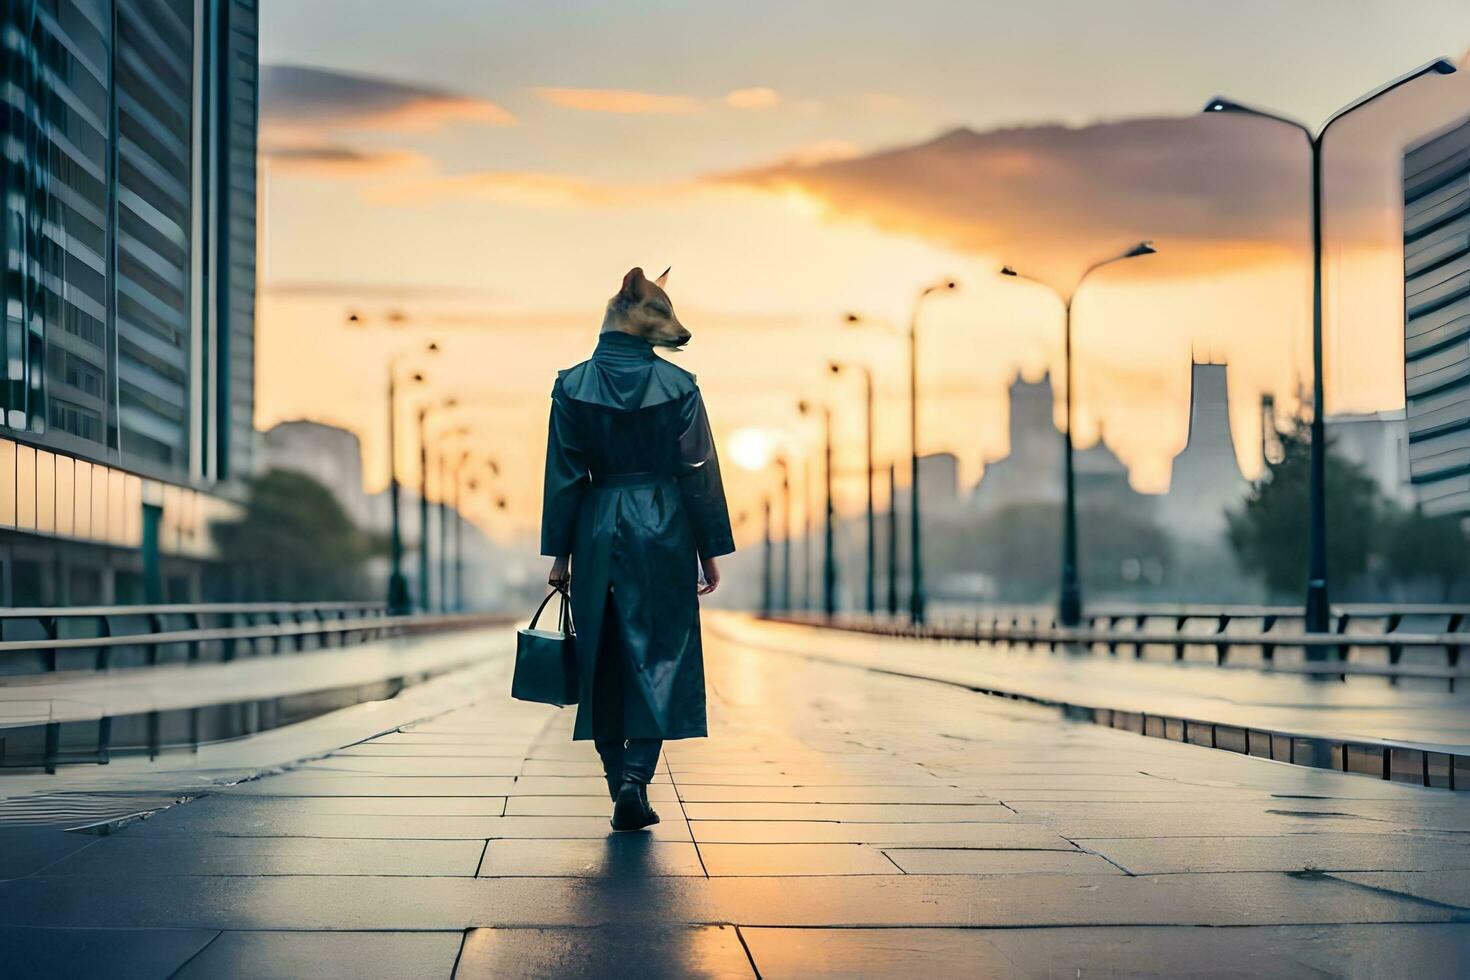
(295, 542)
(1416, 547)
(1269, 532)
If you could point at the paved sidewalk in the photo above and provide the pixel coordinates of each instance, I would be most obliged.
(840, 822)
(1369, 709)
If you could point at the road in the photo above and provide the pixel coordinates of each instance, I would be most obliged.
(840, 823)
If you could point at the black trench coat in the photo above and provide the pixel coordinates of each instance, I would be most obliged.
(633, 495)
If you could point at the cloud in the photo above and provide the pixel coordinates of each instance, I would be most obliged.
(623, 101)
(1226, 190)
(753, 98)
(296, 96)
(336, 160)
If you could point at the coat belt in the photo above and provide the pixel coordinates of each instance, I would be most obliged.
(627, 481)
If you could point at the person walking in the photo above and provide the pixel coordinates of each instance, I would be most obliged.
(634, 516)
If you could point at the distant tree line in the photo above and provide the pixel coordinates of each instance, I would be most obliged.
(294, 542)
(1375, 547)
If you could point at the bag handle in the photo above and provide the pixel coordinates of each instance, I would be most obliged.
(567, 627)
(564, 616)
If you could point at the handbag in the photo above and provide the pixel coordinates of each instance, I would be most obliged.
(546, 660)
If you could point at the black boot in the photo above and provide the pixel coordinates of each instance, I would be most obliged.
(630, 809)
(611, 752)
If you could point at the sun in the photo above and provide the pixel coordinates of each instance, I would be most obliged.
(751, 448)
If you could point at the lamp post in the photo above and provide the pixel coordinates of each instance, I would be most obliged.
(806, 537)
(1069, 605)
(766, 590)
(398, 598)
(424, 412)
(892, 541)
(870, 592)
(1318, 614)
(916, 549)
(829, 557)
(458, 579)
(447, 477)
(785, 594)
(473, 485)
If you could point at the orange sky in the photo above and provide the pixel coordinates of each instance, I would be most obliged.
(497, 220)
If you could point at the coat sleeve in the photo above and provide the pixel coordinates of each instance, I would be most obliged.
(699, 481)
(566, 479)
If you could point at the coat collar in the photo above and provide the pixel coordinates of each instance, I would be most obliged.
(614, 346)
(625, 374)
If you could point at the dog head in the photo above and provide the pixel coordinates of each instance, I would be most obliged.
(642, 308)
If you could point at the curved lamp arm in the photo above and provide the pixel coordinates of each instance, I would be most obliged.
(1439, 66)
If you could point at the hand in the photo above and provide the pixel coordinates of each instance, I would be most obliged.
(560, 577)
(711, 575)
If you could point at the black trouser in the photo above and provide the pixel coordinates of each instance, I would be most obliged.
(632, 759)
(629, 760)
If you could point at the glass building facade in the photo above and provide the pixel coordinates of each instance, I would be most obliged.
(129, 208)
(1437, 320)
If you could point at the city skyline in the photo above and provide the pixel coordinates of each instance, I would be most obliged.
(495, 200)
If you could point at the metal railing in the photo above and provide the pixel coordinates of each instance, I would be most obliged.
(41, 640)
(84, 640)
(1409, 641)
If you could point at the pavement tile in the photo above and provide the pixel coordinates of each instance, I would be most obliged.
(1446, 887)
(828, 794)
(26, 850)
(376, 903)
(383, 806)
(584, 806)
(808, 954)
(1009, 835)
(119, 855)
(1389, 952)
(857, 812)
(348, 955)
(303, 783)
(1288, 852)
(613, 953)
(725, 860)
(659, 789)
(413, 827)
(805, 777)
(628, 855)
(544, 767)
(974, 861)
(410, 766)
(401, 750)
(1057, 900)
(1058, 781)
(118, 954)
(441, 738)
(1194, 820)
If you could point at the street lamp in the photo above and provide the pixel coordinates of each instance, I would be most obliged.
(871, 594)
(1070, 601)
(424, 412)
(916, 551)
(448, 477)
(398, 599)
(1318, 609)
(829, 558)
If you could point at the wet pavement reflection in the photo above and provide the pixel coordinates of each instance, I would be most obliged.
(840, 823)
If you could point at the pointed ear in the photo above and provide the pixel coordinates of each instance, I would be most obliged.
(663, 278)
(630, 284)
